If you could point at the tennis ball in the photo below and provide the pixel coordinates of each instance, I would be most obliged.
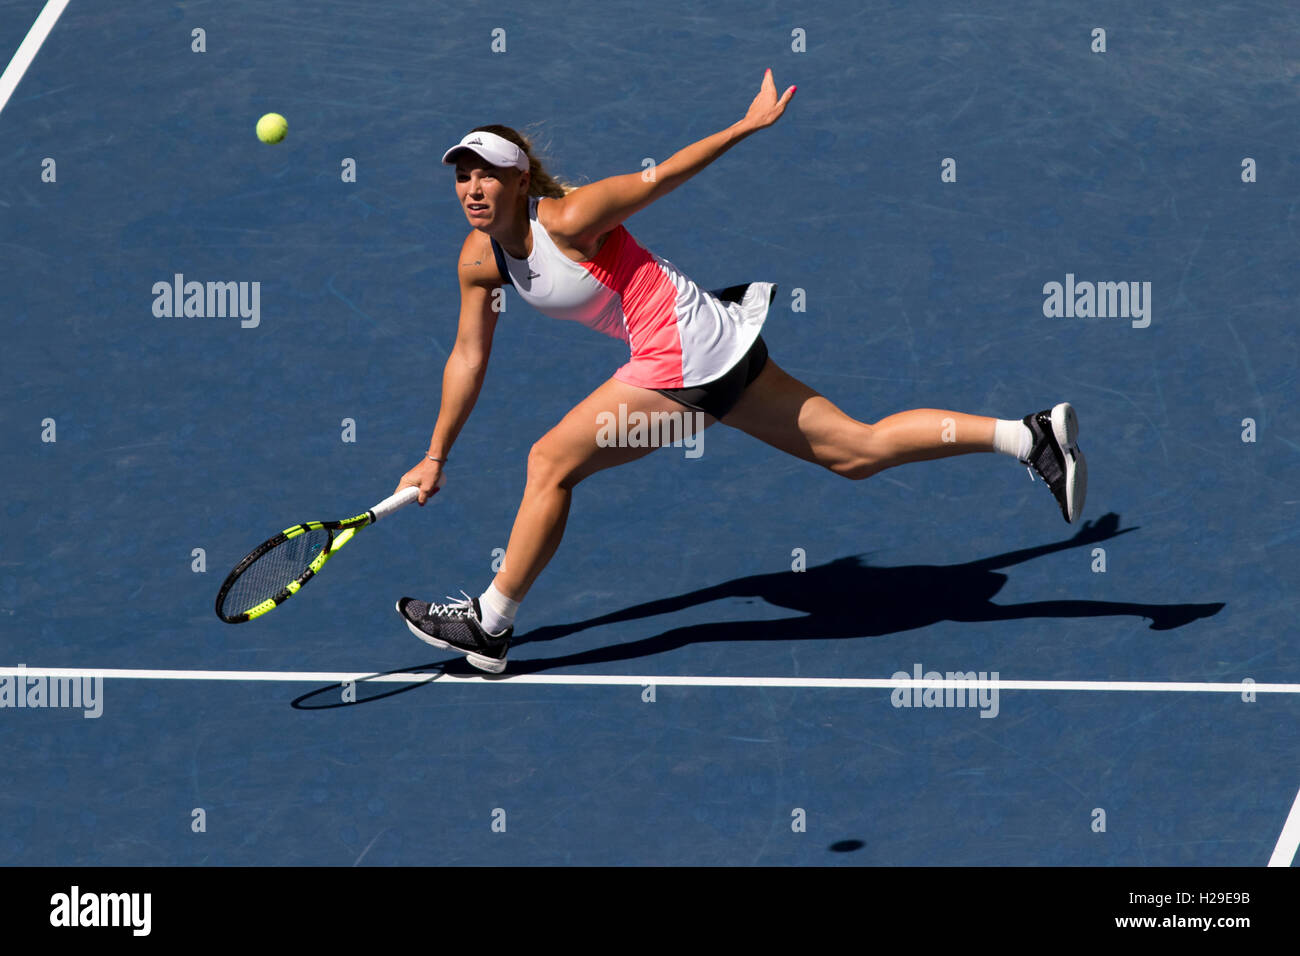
(272, 127)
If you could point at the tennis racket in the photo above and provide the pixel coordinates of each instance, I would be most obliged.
(276, 569)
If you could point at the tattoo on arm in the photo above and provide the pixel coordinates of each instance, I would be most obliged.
(476, 262)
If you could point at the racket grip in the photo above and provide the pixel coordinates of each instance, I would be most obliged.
(401, 499)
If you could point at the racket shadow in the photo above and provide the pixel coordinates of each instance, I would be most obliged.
(338, 698)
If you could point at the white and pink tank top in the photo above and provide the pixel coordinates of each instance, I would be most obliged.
(680, 336)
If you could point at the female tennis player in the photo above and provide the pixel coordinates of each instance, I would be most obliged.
(567, 254)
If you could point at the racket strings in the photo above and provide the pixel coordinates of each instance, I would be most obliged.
(274, 571)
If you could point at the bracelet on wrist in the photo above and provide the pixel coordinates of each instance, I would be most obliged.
(441, 461)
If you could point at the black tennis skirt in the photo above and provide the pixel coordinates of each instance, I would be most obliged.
(718, 397)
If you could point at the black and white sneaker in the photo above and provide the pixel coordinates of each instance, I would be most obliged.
(457, 627)
(1056, 457)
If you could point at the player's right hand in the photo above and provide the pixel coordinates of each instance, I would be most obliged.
(424, 476)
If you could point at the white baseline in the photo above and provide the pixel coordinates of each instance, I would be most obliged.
(665, 680)
(1283, 854)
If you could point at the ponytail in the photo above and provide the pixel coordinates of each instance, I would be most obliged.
(540, 182)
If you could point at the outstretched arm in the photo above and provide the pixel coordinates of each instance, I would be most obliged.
(462, 377)
(595, 209)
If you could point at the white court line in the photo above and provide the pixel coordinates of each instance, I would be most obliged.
(28, 49)
(1284, 852)
(423, 677)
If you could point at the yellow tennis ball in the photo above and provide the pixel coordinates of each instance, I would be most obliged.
(272, 127)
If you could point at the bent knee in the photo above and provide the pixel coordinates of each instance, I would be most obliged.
(549, 465)
(856, 454)
(544, 463)
(856, 469)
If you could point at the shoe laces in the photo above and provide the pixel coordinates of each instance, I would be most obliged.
(453, 609)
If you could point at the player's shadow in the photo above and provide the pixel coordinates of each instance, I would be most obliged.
(847, 598)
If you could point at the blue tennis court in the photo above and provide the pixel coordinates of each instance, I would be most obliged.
(708, 672)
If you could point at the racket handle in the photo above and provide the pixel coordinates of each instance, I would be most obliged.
(400, 500)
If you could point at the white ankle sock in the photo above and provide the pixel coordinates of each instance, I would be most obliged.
(498, 610)
(1013, 438)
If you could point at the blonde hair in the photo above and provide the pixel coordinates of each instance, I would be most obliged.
(540, 182)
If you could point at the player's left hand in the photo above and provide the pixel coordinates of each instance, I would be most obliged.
(767, 108)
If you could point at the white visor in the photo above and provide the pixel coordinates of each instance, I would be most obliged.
(497, 150)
